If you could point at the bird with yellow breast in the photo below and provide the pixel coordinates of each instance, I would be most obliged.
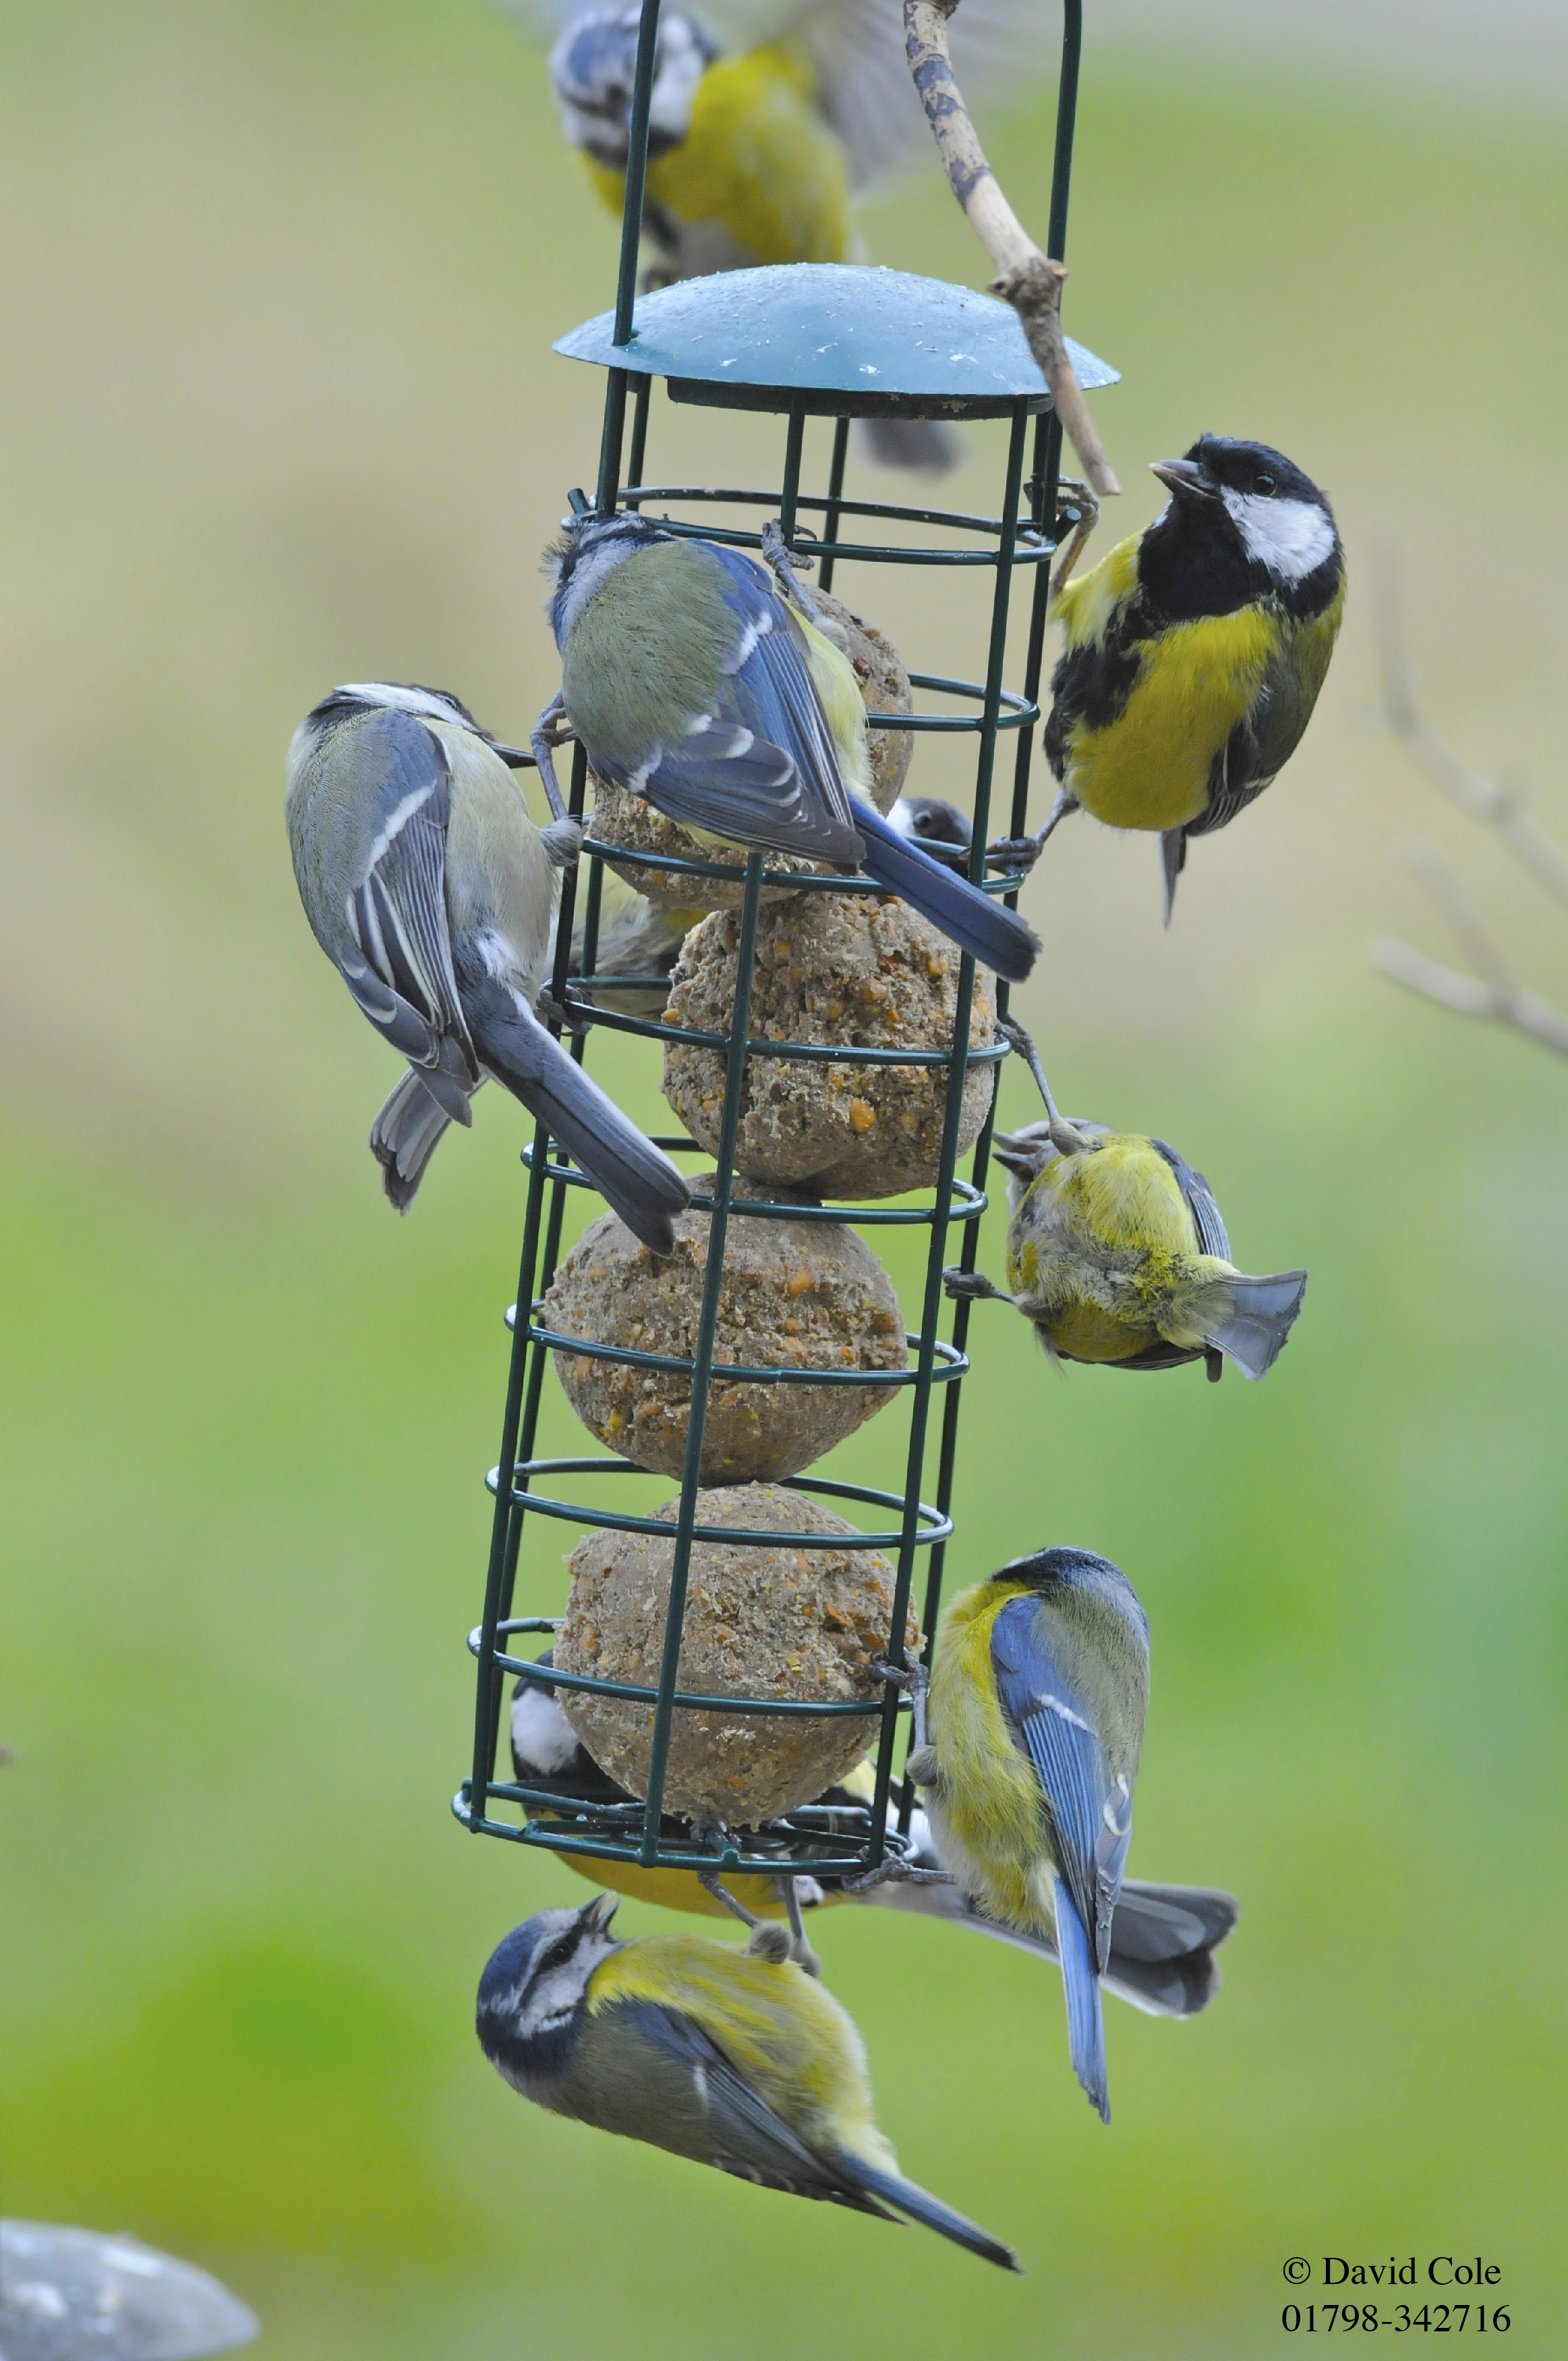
(1117, 1253)
(1194, 652)
(768, 119)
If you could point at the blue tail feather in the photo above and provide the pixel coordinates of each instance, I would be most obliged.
(922, 2207)
(997, 937)
(1085, 2020)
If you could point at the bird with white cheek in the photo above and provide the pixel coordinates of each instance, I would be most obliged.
(432, 891)
(1195, 650)
(733, 2058)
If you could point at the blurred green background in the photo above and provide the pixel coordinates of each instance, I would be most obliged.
(278, 411)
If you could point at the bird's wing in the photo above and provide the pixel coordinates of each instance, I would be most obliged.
(863, 80)
(1206, 1220)
(863, 84)
(749, 2139)
(1235, 780)
(760, 768)
(1091, 1813)
(396, 906)
(856, 48)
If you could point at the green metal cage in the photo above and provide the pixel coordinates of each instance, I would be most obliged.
(805, 344)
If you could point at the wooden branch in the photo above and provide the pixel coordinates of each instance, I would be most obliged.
(1024, 276)
(1499, 806)
(1523, 1011)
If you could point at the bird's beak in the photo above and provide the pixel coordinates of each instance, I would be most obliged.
(1020, 1155)
(597, 1915)
(1185, 477)
(516, 758)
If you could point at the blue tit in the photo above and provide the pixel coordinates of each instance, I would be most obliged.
(1036, 1724)
(692, 680)
(1194, 652)
(431, 891)
(768, 117)
(1117, 1252)
(732, 2058)
(1163, 1937)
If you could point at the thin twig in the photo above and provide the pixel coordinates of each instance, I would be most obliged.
(1028, 280)
(1449, 898)
(1524, 1011)
(1499, 804)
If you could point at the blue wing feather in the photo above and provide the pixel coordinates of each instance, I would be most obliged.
(1205, 1213)
(764, 770)
(1090, 1813)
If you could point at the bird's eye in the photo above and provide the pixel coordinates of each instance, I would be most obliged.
(1264, 484)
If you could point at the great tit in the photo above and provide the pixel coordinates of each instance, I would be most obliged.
(638, 940)
(1036, 1725)
(1116, 1251)
(1163, 1937)
(430, 889)
(732, 2058)
(767, 116)
(1195, 650)
(691, 679)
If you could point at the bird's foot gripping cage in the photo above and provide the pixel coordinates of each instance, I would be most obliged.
(808, 344)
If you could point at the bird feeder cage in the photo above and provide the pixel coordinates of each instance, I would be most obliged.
(815, 346)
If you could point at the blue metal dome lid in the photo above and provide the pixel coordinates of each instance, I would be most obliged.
(879, 337)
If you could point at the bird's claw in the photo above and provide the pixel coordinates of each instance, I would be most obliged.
(1014, 852)
(570, 1016)
(1072, 492)
(551, 729)
(897, 1873)
(970, 1286)
(902, 1676)
(778, 553)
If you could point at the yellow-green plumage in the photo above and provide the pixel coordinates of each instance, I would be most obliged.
(759, 178)
(833, 677)
(1103, 1253)
(778, 2026)
(1194, 652)
(679, 1889)
(986, 1796)
(1117, 1253)
(1149, 766)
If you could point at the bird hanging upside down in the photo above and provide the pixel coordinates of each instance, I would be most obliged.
(1117, 1253)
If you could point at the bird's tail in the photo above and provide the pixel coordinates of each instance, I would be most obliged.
(921, 445)
(1163, 1937)
(405, 1136)
(922, 2207)
(1173, 852)
(1255, 1318)
(636, 1177)
(1085, 2019)
(1163, 1940)
(998, 938)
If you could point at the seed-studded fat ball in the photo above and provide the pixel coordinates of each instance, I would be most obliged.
(855, 970)
(621, 817)
(795, 1294)
(761, 1621)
